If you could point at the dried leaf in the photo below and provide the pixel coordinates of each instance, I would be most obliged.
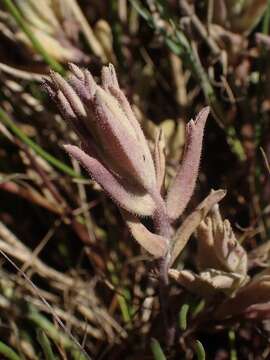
(218, 247)
(104, 34)
(208, 283)
(251, 296)
(155, 244)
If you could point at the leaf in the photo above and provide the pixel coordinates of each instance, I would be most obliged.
(109, 77)
(46, 345)
(192, 221)
(155, 244)
(250, 298)
(200, 352)
(208, 283)
(8, 352)
(59, 83)
(157, 350)
(133, 201)
(182, 186)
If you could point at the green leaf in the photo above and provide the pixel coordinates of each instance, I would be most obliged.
(8, 352)
(37, 149)
(35, 42)
(157, 350)
(141, 10)
(46, 345)
(183, 316)
(200, 350)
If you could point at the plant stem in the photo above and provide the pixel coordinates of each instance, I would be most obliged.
(163, 227)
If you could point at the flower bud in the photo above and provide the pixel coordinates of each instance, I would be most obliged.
(105, 123)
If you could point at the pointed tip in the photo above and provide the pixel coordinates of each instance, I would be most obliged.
(90, 83)
(76, 71)
(109, 77)
(220, 192)
(49, 86)
(183, 184)
(54, 76)
(71, 149)
(202, 115)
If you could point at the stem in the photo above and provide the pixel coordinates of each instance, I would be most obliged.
(163, 227)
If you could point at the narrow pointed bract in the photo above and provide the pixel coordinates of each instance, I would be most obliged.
(160, 161)
(154, 244)
(182, 187)
(192, 221)
(141, 204)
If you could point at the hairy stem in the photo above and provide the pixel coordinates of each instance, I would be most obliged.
(163, 227)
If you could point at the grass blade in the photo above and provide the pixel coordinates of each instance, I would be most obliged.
(200, 350)
(37, 149)
(183, 316)
(46, 345)
(8, 352)
(157, 350)
(35, 42)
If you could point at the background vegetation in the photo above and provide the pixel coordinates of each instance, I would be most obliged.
(73, 284)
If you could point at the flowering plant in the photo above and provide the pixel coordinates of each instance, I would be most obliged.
(116, 154)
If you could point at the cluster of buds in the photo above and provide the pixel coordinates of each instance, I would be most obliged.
(116, 154)
(221, 260)
(223, 263)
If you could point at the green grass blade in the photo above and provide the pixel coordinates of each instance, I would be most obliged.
(233, 352)
(8, 352)
(46, 345)
(56, 334)
(200, 350)
(266, 20)
(37, 149)
(35, 42)
(157, 350)
(183, 316)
